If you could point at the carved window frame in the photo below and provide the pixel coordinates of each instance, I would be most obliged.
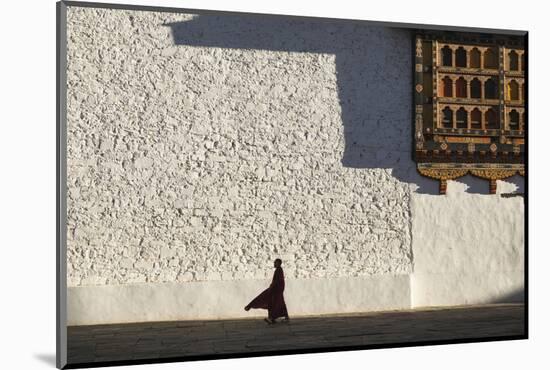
(444, 151)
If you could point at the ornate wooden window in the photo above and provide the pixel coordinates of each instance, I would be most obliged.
(469, 99)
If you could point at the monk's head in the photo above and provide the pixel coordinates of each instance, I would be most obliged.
(277, 262)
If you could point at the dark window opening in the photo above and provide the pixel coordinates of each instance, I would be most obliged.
(461, 118)
(490, 89)
(513, 90)
(460, 57)
(475, 117)
(490, 59)
(447, 119)
(513, 61)
(491, 119)
(447, 87)
(475, 58)
(461, 88)
(446, 56)
(513, 119)
(475, 89)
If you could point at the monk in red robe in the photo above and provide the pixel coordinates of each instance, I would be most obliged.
(272, 298)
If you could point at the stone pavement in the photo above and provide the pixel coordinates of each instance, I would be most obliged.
(181, 339)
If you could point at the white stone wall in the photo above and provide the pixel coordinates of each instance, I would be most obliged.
(203, 147)
(468, 247)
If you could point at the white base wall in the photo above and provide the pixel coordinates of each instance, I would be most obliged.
(466, 289)
(90, 305)
(467, 248)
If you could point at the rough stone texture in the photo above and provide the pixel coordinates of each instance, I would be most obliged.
(202, 147)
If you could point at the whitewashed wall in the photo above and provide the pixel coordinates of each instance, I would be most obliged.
(468, 247)
(202, 147)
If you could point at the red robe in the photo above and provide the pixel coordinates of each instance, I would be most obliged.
(272, 298)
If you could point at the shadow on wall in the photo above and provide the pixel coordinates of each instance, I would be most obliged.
(517, 296)
(374, 80)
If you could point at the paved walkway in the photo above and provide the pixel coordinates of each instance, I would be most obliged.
(163, 340)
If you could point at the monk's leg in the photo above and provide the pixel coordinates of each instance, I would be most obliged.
(270, 320)
(270, 315)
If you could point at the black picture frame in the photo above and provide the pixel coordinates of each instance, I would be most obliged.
(61, 194)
